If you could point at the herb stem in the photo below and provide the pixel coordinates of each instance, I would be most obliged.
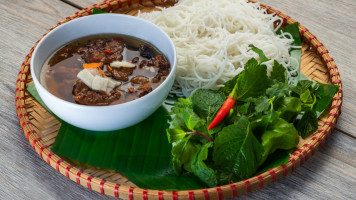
(201, 134)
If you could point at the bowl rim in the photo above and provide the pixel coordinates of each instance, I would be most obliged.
(106, 107)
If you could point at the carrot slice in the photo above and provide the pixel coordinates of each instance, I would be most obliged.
(109, 68)
(91, 65)
(101, 72)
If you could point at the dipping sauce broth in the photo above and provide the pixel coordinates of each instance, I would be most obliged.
(119, 69)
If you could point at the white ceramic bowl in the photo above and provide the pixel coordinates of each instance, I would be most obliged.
(104, 118)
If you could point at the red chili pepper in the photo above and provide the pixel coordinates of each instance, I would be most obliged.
(108, 51)
(224, 110)
(131, 90)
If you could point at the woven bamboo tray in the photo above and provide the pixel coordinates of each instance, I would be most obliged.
(40, 128)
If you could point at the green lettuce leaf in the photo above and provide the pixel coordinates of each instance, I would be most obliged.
(180, 106)
(289, 107)
(259, 125)
(183, 151)
(279, 135)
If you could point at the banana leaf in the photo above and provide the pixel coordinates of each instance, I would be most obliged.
(295, 53)
(141, 152)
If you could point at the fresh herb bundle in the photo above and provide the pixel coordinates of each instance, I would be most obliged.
(267, 119)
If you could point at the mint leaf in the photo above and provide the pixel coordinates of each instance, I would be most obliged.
(181, 105)
(237, 151)
(260, 53)
(200, 169)
(259, 125)
(279, 135)
(206, 103)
